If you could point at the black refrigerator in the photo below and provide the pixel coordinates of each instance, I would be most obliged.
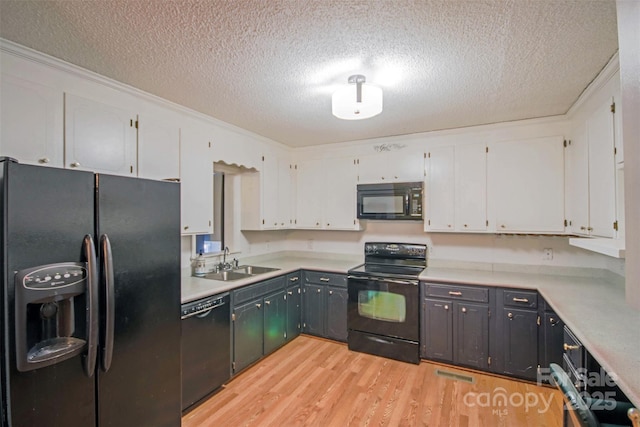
(90, 299)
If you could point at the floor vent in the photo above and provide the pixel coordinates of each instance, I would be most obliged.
(455, 376)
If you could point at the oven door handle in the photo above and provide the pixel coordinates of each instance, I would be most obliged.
(385, 279)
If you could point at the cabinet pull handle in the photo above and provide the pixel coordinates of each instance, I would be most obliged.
(510, 316)
(324, 279)
(466, 225)
(464, 309)
(568, 347)
(455, 293)
(520, 299)
(267, 303)
(75, 165)
(319, 290)
(186, 227)
(293, 279)
(583, 228)
(289, 293)
(330, 292)
(43, 160)
(258, 305)
(589, 228)
(446, 307)
(503, 226)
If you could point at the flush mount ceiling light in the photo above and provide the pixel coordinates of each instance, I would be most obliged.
(356, 100)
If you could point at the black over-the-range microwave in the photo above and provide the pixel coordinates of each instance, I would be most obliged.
(401, 200)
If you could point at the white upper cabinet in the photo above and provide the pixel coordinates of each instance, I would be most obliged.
(196, 182)
(471, 187)
(158, 148)
(391, 166)
(31, 122)
(326, 194)
(527, 185)
(440, 189)
(310, 193)
(456, 190)
(591, 174)
(99, 137)
(266, 195)
(339, 205)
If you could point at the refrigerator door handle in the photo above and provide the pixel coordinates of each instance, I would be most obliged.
(89, 359)
(109, 301)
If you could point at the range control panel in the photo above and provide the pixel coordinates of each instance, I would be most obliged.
(391, 250)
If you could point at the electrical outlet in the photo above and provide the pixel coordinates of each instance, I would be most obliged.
(547, 254)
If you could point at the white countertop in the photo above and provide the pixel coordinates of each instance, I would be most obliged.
(593, 307)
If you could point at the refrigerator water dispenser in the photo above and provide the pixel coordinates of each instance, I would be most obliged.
(50, 310)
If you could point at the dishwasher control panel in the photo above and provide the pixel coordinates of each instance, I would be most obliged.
(203, 305)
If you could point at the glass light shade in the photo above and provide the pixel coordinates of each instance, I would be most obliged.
(344, 103)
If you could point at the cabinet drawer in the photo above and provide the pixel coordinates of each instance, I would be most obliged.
(321, 278)
(455, 292)
(257, 290)
(520, 298)
(293, 279)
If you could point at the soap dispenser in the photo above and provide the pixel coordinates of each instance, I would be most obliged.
(200, 266)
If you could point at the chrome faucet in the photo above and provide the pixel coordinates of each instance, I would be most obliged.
(224, 265)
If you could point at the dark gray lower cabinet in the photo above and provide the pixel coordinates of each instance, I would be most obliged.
(437, 330)
(455, 324)
(294, 305)
(337, 313)
(248, 326)
(517, 325)
(325, 305)
(471, 326)
(259, 320)
(275, 321)
(551, 337)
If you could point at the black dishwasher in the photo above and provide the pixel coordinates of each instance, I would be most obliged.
(206, 349)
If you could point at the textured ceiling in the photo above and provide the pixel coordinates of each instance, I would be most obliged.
(270, 66)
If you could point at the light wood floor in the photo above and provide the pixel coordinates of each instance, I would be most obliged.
(315, 382)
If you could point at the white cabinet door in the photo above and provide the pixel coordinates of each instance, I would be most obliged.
(528, 185)
(31, 118)
(339, 206)
(310, 193)
(602, 168)
(577, 188)
(392, 166)
(440, 189)
(158, 149)
(285, 199)
(196, 183)
(270, 200)
(471, 187)
(99, 137)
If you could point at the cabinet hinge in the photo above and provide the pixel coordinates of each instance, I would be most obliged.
(615, 225)
(613, 107)
(489, 313)
(487, 223)
(354, 222)
(615, 150)
(565, 222)
(486, 149)
(131, 169)
(428, 222)
(489, 360)
(538, 321)
(429, 155)
(565, 143)
(209, 223)
(133, 124)
(233, 317)
(233, 366)
(263, 222)
(263, 158)
(425, 155)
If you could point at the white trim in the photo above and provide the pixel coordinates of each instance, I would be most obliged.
(610, 70)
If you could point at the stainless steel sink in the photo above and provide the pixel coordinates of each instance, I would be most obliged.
(227, 276)
(252, 270)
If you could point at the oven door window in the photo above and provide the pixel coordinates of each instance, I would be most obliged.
(383, 204)
(381, 305)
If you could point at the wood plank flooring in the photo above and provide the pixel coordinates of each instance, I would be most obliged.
(316, 382)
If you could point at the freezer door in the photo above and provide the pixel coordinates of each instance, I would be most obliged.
(46, 214)
(141, 385)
